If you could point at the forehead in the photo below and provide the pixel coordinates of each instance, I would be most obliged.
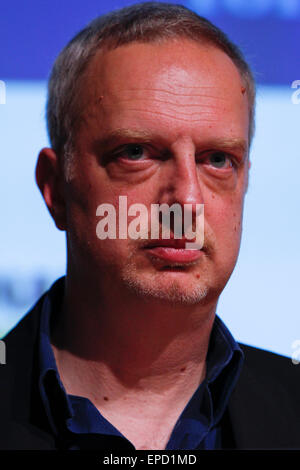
(176, 84)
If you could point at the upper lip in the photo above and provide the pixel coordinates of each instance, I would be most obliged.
(170, 243)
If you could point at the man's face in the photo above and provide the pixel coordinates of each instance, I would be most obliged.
(161, 123)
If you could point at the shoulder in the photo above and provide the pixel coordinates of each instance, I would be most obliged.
(20, 409)
(257, 354)
(268, 367)
(264, 407)
(22, 337)
(25, 333)
(20, 345)
(269, 382)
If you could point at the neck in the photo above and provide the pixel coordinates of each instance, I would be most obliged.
(132, 343)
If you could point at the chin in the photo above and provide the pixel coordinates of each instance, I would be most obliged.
(169, 291)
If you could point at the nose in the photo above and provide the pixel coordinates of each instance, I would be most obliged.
(182, 183)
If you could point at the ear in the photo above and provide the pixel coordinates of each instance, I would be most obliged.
(49, 178)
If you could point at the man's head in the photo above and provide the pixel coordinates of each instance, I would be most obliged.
(149, 22)
(153, 103)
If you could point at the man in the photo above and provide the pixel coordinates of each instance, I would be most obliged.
(152, 103)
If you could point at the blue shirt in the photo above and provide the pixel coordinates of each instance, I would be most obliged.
(77, 422)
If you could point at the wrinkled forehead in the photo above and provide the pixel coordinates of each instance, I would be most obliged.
(172, 63)
(185, 80)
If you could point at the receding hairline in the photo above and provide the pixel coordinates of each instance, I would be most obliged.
(109, 46)
(148, 22)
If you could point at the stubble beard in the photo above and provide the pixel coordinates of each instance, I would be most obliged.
(157, 286)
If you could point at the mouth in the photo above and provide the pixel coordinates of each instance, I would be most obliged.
(173, 251)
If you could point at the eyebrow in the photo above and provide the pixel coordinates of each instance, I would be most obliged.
(125, 134)
(238, 145)
(234, 144)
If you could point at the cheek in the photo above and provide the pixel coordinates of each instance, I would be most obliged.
(224, 217)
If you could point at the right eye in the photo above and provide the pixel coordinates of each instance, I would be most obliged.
(132, 152)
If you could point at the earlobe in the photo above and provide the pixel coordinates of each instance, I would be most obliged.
(49, 179)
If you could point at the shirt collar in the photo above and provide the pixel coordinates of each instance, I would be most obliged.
(223, 364)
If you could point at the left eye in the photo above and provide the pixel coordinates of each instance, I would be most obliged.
(133, 152)
(219, 160)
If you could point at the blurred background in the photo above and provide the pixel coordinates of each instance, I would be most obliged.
(260, 302)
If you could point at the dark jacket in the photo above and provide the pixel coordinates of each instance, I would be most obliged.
(263, 410)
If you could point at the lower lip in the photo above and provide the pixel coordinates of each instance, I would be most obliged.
(175, 255)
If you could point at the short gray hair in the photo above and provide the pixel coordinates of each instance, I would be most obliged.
(143, 22)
